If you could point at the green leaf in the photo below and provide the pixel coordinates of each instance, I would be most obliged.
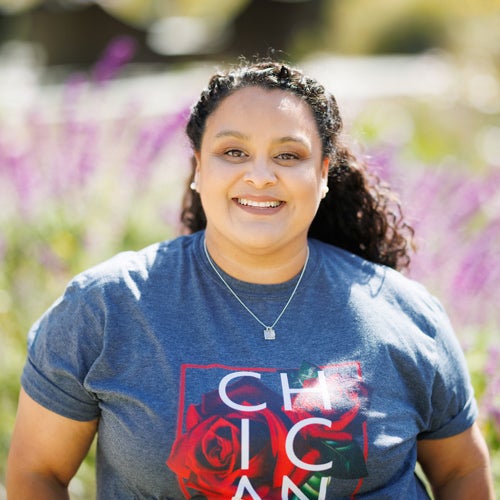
(348, 460)
(307, 371)
(311, 487)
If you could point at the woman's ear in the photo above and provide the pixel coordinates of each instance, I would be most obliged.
(325, 167)
(194, 185)
(197, 159)
(324, 177)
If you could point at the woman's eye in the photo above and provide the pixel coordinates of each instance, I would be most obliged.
(287, 156)
(235, 153)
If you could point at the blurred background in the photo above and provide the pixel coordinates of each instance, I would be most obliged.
(94, 96)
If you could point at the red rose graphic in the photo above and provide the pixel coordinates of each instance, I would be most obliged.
(333, 436)
(207, 457)
(347, 404)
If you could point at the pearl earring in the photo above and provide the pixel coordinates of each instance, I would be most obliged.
(193, 186)
(324, 191)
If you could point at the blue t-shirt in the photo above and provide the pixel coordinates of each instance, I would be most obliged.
(193, 402)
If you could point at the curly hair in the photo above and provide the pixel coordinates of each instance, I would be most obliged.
(359, 214)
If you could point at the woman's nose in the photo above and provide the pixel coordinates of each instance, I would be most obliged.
(260, 173)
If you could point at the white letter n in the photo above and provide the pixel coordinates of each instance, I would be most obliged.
(288, 485)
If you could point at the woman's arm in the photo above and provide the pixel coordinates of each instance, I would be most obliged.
(45, 452)
(458, 467)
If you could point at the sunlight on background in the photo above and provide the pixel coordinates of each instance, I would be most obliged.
(93, 160)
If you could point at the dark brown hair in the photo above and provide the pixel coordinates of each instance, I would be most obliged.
(360, 213)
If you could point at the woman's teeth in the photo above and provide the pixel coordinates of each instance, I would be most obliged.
(259, 204)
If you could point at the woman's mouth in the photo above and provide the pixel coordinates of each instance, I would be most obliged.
(258, 204)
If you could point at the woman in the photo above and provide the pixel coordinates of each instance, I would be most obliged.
(273, 353)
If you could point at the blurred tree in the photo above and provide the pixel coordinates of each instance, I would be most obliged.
(75, 31)
(13, 6)
(406, 26)
(146, 12)
(74, 34)
(265, 24)
(413, 34)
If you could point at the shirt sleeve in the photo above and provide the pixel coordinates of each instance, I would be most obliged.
(62, 346)
(454, 408)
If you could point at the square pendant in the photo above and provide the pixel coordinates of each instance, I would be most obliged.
(269, 333)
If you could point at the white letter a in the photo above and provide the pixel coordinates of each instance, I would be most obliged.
(245, 485)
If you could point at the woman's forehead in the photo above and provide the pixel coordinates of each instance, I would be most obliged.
(263, 103)
(255, 93)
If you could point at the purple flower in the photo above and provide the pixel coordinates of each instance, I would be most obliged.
(152, 140)
(118, 53)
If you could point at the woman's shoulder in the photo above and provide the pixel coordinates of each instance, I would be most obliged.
(136, 266)
(372, 281)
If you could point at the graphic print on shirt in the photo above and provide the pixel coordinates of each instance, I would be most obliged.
(270, 434)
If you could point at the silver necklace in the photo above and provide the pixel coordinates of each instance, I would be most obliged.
(269, 332)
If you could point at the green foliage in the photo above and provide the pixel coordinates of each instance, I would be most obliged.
(64, 213)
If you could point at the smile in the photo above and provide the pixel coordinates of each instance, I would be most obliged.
(259, 204)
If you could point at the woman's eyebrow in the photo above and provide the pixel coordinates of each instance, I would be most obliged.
(294, 138)
(239, 135)
(231, 133)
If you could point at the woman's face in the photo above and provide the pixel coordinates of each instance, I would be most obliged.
(260, 171)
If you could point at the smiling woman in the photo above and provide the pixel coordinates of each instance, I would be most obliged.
(362, 216)
(274, 352)
(260, 172)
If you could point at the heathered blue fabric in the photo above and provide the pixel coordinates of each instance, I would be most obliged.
(144, 341)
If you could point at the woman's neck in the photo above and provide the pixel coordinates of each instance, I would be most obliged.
(256, 265)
